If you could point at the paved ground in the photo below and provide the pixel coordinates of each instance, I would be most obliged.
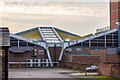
(40, 73)
(50, 74)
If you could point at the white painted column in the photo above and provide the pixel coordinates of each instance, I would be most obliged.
(48, 54)
(47, 63)
(89, 43)
(18, 43)
(61, 54)
(105, 40)
(39, 62)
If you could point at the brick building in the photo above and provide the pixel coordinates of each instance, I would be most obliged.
(46, 46)
(114, 13)
(37, 47)
(100, 50)
(49, 46)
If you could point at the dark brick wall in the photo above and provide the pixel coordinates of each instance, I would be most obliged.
(108, 63)
(73, 65)
(111, 66)
(22, 57)
(101, 52)
(110, 69)
(74, 51)
(112, 58)
(54, 53)
(4, 63)
(80, 62)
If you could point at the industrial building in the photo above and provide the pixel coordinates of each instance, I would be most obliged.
(100, 50)
(47, 47)
(42, 45)
(50, 46)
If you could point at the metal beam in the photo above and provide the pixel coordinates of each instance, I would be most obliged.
(57, 35)
(48, 54)
(105, 40)
(41, 33)
(93, 36)
(61, 54)
(89, 43)
(18, 43)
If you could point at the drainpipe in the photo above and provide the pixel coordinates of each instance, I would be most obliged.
(54, 54)
(118, 49)
(118, 24)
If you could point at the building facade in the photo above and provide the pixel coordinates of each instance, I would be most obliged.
(50, 46)
(51, 50)
(37, 47)
(99, 50)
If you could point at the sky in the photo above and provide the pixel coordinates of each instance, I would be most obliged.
(77, 17)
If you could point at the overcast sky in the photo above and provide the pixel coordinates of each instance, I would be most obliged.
(78, 17)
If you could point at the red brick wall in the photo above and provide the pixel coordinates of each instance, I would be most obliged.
(22, 57)
(83, 59)
(102, 54)
(104, 69)
(110, 69)
(74, 51)
(86, 59)
(106, 61)
(114, 14)
(79, 62)
(85, 50)
(112, 58)
(73, 65)
(58, 51)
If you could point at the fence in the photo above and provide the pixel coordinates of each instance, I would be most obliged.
(34, 63)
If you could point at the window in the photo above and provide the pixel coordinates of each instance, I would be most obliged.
(34, 52)
(78, 49)
(69, 49)
(41, 52)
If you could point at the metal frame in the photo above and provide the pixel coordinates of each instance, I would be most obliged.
(72, 43)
